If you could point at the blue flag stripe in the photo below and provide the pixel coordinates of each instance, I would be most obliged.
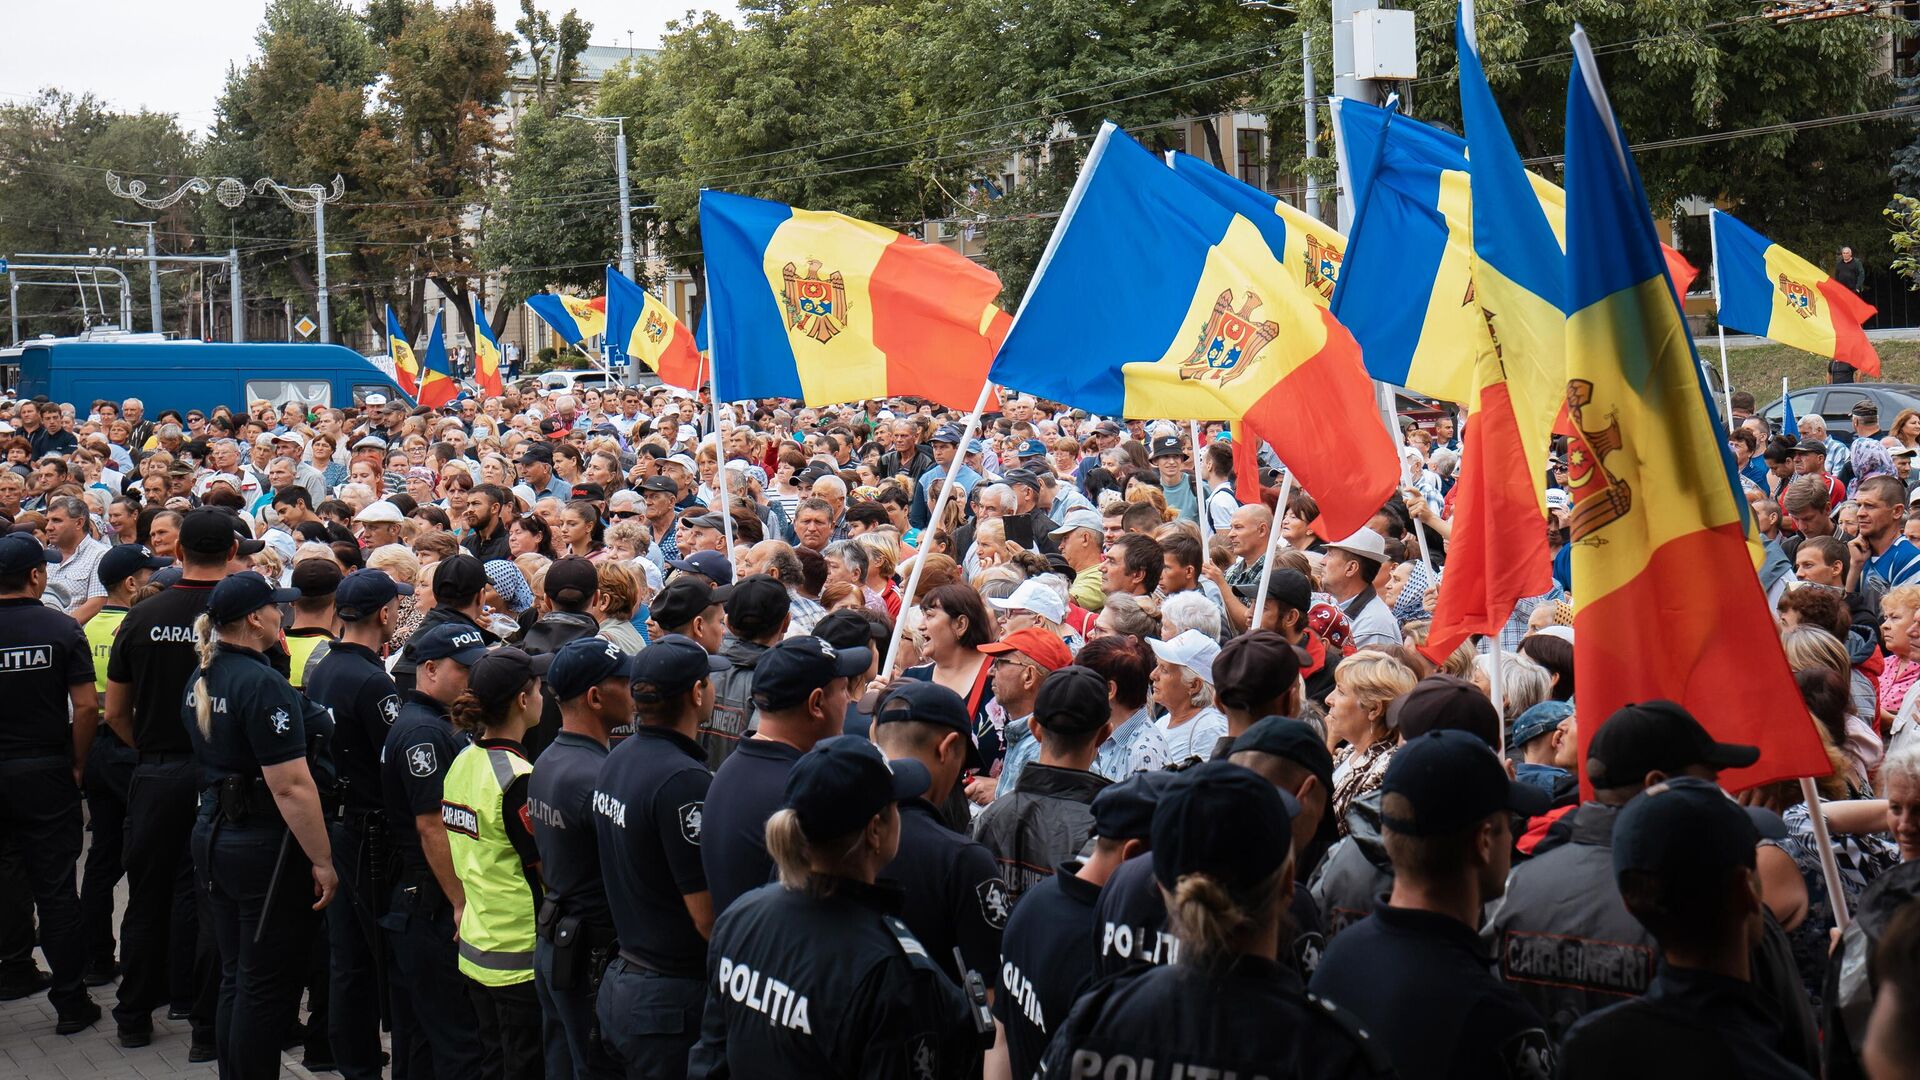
(752, 361)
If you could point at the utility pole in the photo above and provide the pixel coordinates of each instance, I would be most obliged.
(626, 194)
(153, 270)
(1312, 120)
(312, 199)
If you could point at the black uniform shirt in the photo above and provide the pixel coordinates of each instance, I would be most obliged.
(413, 770)
(1130, 925)
(256, 718)
(560, 801)
(1423, 984)
(365, 703)
(1689, 1023)
(649, 815)
(749, 787)
(955, 897)
(43, 654)
(154, 653)
(1046, 954)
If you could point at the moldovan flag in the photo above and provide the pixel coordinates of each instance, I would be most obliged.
(486, 353)
(1497, 554)
(406, 369)
(1309, 248)
(1669, 604)
(1767, 290)
(437, 384)
(574, 318)
(1154, 300)
(829, 309)
(645, 329)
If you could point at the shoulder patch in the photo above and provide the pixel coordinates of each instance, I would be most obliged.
(1529, 1056)
(923, 1057)
(1307, 949)
(390, 708)
(282, 723)
(422, 759)
(690, 821)
(994, 906)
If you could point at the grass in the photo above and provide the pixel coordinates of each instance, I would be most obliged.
(1758, 369)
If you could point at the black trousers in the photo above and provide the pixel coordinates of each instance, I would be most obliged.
(40, 809)
(650, 1021)
(110, 765)
(510, 1023)
(17, 937)
(166, 937)
(353, 936)
(435, 1033)
(260, 980)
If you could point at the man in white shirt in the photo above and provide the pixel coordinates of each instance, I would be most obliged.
(1351, 568)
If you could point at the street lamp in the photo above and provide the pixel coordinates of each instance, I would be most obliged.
(626, 198)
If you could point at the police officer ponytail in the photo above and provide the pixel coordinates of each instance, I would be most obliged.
(206, 645)
(1215, 921)
(795, 856)
(472, 715)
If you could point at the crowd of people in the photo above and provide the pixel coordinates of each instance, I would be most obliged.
(599, 735)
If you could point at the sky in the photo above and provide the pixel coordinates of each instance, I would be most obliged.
(174, 57)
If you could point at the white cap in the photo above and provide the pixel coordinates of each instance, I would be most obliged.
(1366, 543)
(291, 436)
(380, 513)
(264, 439)
(374, 399)
(1564, 633)
(684, 462)
(1190, 649)
(1035, 597)
(1558, 499)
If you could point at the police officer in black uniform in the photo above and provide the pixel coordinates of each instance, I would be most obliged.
(956, 899)
(46, 666)
(1046, 953)
(350, 681)
(813, 975)
(251, 734)
(649, 815)
(152, 660)
(435, 1031)
(1228, 1006)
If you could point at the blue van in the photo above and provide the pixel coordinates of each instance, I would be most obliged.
(186, 375)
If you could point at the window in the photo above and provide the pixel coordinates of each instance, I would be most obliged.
(361, 390)
(1250, 152)
(312, 393)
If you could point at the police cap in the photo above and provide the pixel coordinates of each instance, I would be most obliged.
(795, 668)
(122, 561)
(1686, 827)
(582, 664)
(21, 553)
(1124, 811)
(1187, 833)
(1294, 740)
(464, 645)
(505, 671)
(929, 703)
(364, 592)
(671, 666)
(242, 594)
(840, 784)
(1451, 780)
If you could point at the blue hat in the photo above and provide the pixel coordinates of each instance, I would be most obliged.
(364, 592)
(168, 577)
(798, 666)
(122, 561)
(671, 666)
(709, 564)
(20, 552)
(449, 641)
(242, 594)
(1187, 833)
(583, 664)
(1452, 780)
(1538, 720)
(1031, 448)
(842, 782)
(1124, 811)
(977, 446)
(948, 433)
(1686, 826)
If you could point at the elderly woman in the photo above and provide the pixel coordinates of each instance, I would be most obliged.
(1900, 634)
(1183, 685)
(1189, 610)
(614, 605)
(1364, 686)
(1523, 682)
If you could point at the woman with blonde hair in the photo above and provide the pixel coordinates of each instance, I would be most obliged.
(614, 605)
(1149, 493)
(1899, 688)
(1362, 739)
(1810, 648)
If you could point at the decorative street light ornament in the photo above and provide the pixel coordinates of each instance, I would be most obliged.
(228, 190)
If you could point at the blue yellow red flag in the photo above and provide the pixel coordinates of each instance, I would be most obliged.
(641, 326)
(406, 368)
(1767, 290)
(574, 318)
(1155, 300)
(437, 384)
(1311, 249)
(1669, 605)
(827, 308)
(486, 353)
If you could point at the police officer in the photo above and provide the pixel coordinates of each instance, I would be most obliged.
(312, 629)
(575, 928)
(1046, 953)
(1414, 971)
(459, 585)
(1227, 1007)
(46, 667)
(490, 840)
(434, 1027)
(153, 658)
(123, 569)
(812, 975)
(956, 899)
(350, 681)
(250, 731)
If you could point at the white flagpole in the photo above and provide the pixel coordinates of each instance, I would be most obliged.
(1499, 699)
(933, 522)
(1200, 486)
(1726, 383)
(1273, 545)
(1829, 867)
(720, 456)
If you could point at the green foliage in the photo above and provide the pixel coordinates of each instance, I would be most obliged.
(552, 225)
(1903, 219)
(555, 51)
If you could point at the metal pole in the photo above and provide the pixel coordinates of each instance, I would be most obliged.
(933, 522)
(1494, 680)
(1345, 84)
(1312, 120)
(233, 292)
(1199, 485)
(1713, 244)
(320, 242)
(1273, 545)
(13, 309)
(626, 197)
(153, 278)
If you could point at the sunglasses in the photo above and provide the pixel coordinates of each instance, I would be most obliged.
(622, 515)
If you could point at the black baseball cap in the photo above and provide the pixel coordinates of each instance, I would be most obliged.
(122, 561)
(660, 483)
(1166, 446)
(209, 531)
(928, 703)
(589, 491)
(584, 663)
(572, 580)
(1285, 584)
(1124, 810)
(845, 629)
(757, 606)
(840, 784)
(504, 672)
(1190, 834)
(1453, 779)
(684, 598)
(1445, 703)
(1023, 477)
(709, 564)
(1255, 668)
(364, 592)
(1644, 736)
(540, 452)
(240, 595)
(671, 666)
(1685, 827)
(1295, 740)
(798, 666)
(463, 645)
(459, 578)
(1072, 701)
(316, 577)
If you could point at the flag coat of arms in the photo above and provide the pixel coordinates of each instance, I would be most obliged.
(827, 308)
(1308, 246)
(641, 325)
(1767, 290)
(406, 368)
(1669, 604)
(574, 318)
(1155, 300)
(437, 384)
(486, 353)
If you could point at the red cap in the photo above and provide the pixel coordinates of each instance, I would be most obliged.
(1043, 647)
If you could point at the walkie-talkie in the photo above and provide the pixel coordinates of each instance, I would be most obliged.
(976, 989)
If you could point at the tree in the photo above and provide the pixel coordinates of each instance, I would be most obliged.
(554, 48)
(557, 222)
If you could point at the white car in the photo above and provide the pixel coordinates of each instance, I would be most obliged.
(575, 381)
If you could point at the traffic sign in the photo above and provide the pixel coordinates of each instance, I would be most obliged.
(306, 326)
(3, 267)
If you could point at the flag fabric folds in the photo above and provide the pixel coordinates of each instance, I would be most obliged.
(826, 308)
(1767, 290)
(406, 368)
(1789, 424)
(1155, 300)
(486, 353)
(1310, 248)
(1669, 605)
(574, 318)
(437, 384)
(1497, 554)
(640, 325)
